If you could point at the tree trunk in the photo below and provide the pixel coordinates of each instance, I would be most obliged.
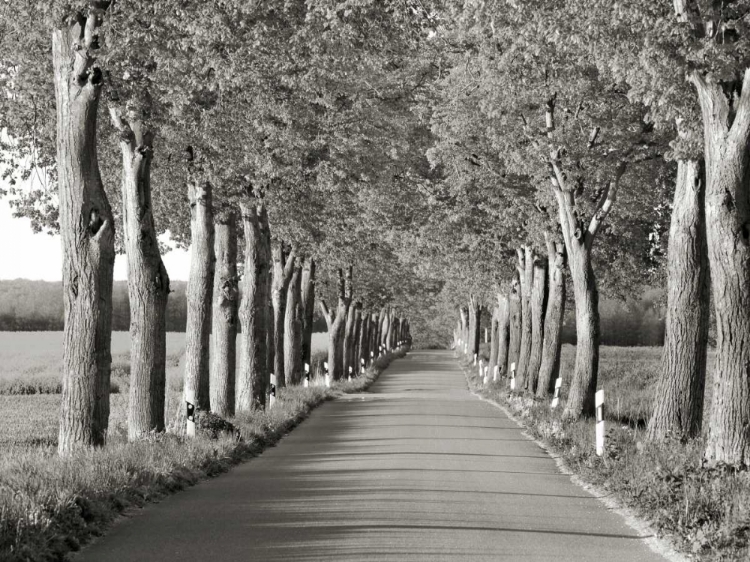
(199, 298)
(386, 322)
(348, 342)
(364, 338)
(337, 324)
(87, 230)
(503, 334)
(464, 319)
(251, 382)
(283, 268)
(583, 385)
(474, 326)
(293, 329)
(514, 325)
(526, 273)
(148, 282)
(493, 341)
(553, 319)
(726, 135)
(678, 404)
(224, 324)
(374, 331)
(308, 308)
(538, 301)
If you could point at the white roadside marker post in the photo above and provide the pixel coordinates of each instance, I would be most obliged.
(486, 375)
(486, 336)
(475, 359)
(327, 375)
(307, 375)
(512, 376)
(362, 366)
(494, 374)
(190, 405)
(372, 357)
(350, 374)
(599, 403)
(272, 392)
(556, 397)
(466, 348)
(481, 366)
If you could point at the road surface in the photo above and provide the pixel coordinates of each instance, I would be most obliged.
(415, 469)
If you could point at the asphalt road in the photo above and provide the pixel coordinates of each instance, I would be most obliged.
(415, 469)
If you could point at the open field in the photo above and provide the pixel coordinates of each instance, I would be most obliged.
(30, 383)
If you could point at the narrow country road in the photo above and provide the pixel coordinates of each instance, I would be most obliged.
(415, 469)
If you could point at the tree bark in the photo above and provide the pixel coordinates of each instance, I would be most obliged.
(678, 404)
(503, 334)
(283, 268)
(514, 325)
(385, 318)
(493, 341)
(336, 325)
(224, 324)
(475, 330)
(253, 374)
(364, 338)
(553, 319)
(199, 297)
(148, 282)
(87, 230)
(374, 331)
(348, 341)
(293, 328)
(308, 308)
(464, 319)
(538, 302)
(726, 125)
(526, 276)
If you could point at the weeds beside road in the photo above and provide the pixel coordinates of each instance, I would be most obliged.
(704, 511)
(50, 506)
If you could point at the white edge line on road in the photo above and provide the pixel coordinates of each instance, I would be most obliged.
(658, 545)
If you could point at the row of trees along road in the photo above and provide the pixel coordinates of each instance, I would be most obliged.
(242, 129)
(500, 158)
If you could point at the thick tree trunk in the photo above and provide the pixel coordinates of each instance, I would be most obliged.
(583, 385)
(726, 134)
(385, 318)
(348, 341)
(148, 282)
(526, 275)
(464, 319)
(538, 301)
(503, 334)
(364, 338)
(553, 318)
(87, 230)
(514, 325)
(493, 341)
(224, 324)
(308, 308)
(253, 374)
(283, 267)
(337, 324)
(293, 329)
(374, 331)
(678, 404)
(199, 298)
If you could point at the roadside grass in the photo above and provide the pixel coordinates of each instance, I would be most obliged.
(704, 511)
(30, 361)
(50, 506)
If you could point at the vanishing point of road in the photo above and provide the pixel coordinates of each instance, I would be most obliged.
(414, 469)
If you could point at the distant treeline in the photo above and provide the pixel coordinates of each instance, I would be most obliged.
(37, 306)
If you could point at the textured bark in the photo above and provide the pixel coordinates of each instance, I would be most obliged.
(336, 325)
(385, 318)
(283, 268)
(293, 329)
(526, 276)
(348, 342)
(308, 308)
(374, 331)
(474, 326)
(464, 319)
(357, 336)
(87, 230)
(148, 282)
(538, 302)
(493, 341)
(553, 318)
(391, 330)
(253, 374)
(199, 297)
(514, 325)
(224, 324)
(726, 123)
(364, 338)
(678, 404)
(503, 334)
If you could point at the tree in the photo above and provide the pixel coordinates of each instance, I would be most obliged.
(336, 323)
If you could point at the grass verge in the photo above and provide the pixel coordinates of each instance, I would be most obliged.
(703, 511)
(50, 506)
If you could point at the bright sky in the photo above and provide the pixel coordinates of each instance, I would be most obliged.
(24, 254)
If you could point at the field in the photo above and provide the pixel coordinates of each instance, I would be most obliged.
(30, 383)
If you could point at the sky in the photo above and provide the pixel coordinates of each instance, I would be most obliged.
(26, 255)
